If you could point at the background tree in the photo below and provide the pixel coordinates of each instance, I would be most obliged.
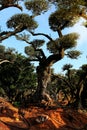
(81, 98)
(73, 85)
(71, 81)
(70, 11)
(56, 47)
(17, 77)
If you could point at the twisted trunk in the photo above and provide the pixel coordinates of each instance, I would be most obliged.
(44, 74)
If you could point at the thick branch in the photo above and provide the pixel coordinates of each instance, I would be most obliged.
(59, 32)
(35, 49)
(55, 57)
(11, 5)
(37, 34)
(5, 35)
(40, 50)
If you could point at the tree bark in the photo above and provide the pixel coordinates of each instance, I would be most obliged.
(44, 74)
(78, 102)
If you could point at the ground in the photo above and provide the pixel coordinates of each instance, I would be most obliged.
(38, 118)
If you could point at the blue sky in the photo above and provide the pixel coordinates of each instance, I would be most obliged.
(43, 27)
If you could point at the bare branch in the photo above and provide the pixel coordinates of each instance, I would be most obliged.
(3, 61)
(37, 34)
(40, 50)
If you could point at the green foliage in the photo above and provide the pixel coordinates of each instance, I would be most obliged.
(56, 85)
(37, 6)
(29, 50)
(34, 49)
(53, 46)
(61, 19)
(16, 104)
(68, 4)
(74, 84)
(6, 2)
(69, 84)
(67, 67)
(84, 67)
(7, 54)
(82, 72)
(73, 54)
(37, 43)
(67, 42)
(2, 92)
(23, 36)
(22, 21)
(2, 49)
(67, 14)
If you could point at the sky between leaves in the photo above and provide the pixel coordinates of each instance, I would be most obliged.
(44, 27)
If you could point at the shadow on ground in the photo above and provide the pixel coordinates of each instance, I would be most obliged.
(37, 118)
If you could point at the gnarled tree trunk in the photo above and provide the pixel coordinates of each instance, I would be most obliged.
(44, 74)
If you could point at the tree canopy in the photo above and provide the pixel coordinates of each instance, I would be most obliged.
(17, 77)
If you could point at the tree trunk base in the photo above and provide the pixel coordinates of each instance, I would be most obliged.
(43, 100)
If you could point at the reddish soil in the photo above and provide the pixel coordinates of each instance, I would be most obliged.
(37, 118)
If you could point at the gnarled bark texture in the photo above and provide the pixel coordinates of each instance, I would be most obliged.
(44, 76)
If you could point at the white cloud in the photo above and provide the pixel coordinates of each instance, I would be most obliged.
(81, 30)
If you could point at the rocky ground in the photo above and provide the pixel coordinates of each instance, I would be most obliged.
(38, 118)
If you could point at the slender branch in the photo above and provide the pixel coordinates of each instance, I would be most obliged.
(40, 50)
(37, 34)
